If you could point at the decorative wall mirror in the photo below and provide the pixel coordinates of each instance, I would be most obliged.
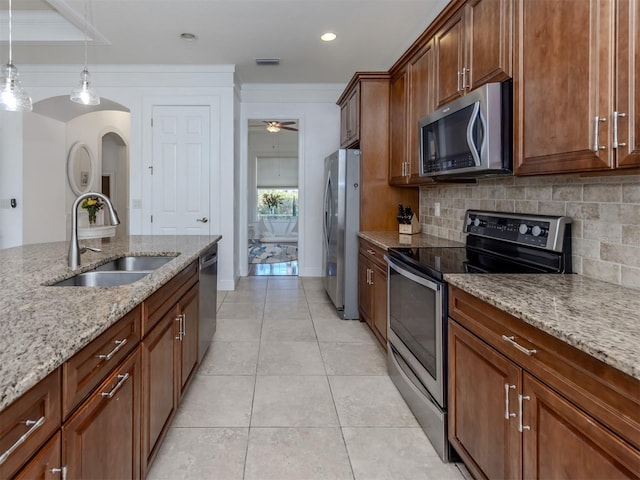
(80, 168)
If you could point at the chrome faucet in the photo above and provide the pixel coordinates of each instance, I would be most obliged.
(74, 247)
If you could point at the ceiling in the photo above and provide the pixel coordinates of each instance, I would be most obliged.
(371, 34)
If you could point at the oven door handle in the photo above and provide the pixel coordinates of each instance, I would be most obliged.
(414, 275)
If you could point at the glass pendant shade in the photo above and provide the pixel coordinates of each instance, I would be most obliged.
(84, 93)
(12, 96)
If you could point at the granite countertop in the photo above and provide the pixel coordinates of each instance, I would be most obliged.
(392, 239)
(43, 326)
(599, 318)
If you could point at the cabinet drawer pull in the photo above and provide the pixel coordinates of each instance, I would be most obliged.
(617, 144)
(62, 470)
(181, 330)
(34, 424)
(119, 345)
(513, 342)
(114, 390)
(371, 252)
(507, 414)
(522, 427)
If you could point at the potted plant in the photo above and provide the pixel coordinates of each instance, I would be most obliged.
(92, 205)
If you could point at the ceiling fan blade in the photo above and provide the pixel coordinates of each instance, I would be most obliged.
(287, 123)
(289, 128)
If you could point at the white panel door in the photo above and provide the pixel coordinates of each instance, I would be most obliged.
(181, 168)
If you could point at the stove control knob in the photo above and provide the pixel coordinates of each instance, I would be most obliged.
(524, 229)
(538, 231)
(479, 223)
(470, 219)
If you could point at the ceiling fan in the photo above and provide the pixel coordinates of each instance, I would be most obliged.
(274, 127)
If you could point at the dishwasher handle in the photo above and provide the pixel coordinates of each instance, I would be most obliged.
(209, 260)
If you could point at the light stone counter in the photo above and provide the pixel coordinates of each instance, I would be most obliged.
(392, 239)
(42, 326)
(599, 318)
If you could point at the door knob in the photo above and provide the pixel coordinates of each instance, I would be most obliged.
(203, 219)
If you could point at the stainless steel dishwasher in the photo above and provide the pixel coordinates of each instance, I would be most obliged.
(208, 298)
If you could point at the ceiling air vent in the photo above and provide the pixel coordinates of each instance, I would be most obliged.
(267, 61)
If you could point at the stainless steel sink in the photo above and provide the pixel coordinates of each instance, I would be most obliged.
(134, 264)
(101, 279)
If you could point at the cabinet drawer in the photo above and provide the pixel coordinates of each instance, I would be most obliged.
(87, 368)
(47, 464)
(157, 305)
(605, 393)
(40, 407)
(373, 253)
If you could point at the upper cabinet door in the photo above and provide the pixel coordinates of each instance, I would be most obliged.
(450, 53)
(490, 41)
(563, 85)
(628, 84)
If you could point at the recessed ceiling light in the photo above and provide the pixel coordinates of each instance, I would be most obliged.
(190, 37)
(328, 37)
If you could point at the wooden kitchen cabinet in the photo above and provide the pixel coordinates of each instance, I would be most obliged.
(378, 200)
(412, 97)
(47, 463)
(169, 356)
(473, 48)
(27, 424)
(576, 64)
(372, 289)
(538, 409)
(102, 438)
(350, 118)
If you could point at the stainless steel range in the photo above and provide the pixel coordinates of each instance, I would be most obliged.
(417, 300)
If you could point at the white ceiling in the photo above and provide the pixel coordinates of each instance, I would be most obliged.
(372, 34)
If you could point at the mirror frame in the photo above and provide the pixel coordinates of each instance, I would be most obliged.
(73, 151)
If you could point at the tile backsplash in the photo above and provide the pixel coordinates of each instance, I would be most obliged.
(605, 212)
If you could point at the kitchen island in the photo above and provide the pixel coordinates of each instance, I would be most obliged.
(43, 326)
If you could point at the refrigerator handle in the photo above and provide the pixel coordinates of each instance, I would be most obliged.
(327, 212)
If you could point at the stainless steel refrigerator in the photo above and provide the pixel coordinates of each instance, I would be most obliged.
(341, 224)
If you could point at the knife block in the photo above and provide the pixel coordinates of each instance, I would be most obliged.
(410, 228)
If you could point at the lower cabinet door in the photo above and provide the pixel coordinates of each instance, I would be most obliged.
(102, 439)
(159, 385)
(46, 465)
(483, 406)
(561, 441)
(189, 309)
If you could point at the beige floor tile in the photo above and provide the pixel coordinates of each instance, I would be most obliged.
(217, 401)
(323, 310)
(230, 358)
(286, 296)
(353, 359)
(395, 453)
(317, 296)
(290, 358)
(293, 402)
(288, 330)
(237, 329)
(247, 296)
(297, 454)
(284, 283)
(292, 308)
(337, 330)
(369, 401)
(201, 453)
(250, 311)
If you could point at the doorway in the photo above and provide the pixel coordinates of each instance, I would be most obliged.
(273, 197)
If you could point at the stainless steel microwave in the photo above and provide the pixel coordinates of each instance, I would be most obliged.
(470, 137)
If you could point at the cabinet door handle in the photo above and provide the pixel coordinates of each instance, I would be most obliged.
(617, 115)
(458, 87)
(507, 414)
(34, 425)
(181, 332)
(371, 252)
(513, 342)
(522, 427)
(119, 345)
(596, 126)
(114, 390)
(62, 470)
(464, 78)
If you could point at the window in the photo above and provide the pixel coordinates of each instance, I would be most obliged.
(285, 202)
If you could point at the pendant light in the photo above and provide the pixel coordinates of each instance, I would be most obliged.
(84, 93)
(12, 95)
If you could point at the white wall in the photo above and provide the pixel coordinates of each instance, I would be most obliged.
(319, 134)
(10, 178)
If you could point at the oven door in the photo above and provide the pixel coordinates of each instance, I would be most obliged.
(416, 324)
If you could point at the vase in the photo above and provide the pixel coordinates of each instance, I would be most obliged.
(92, 218)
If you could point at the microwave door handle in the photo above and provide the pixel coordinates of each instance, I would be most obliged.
(475, 116)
